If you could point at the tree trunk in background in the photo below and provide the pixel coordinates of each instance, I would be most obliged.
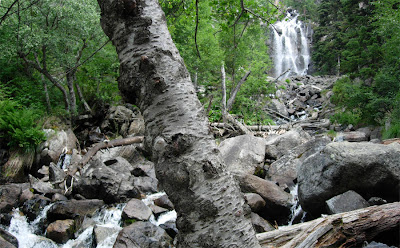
(211, 209)
(72, 98)
(46, 94)
(82, 98)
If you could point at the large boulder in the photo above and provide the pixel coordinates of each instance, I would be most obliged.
(9, 195)
(243, 153)
(110, 180)
(61, 231)
(346, 202)
(277, 146)
(372, 170)
(284, 170)
(278, 202)
(72, 209)
(57, 143)
(118, 120)
(143, 234)
(7, 240)
(136, 209)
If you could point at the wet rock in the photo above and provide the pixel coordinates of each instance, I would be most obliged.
(367, 168)
(345, 202)
(255, 201)
(7, 240)
(59, 197)
(136, 209)
(143, 234)
(32, 208)
(260, 225)
(157, 210)
(61, 231)
(277, 146)
(101, 233)
(284, 170)
(243, 153)
(278, 202)
(56, 143)
(164, 202)
(170, 228)
(71, 209)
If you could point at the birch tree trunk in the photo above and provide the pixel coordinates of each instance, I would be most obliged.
(210, 206)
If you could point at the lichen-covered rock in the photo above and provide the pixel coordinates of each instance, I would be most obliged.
(367, 168)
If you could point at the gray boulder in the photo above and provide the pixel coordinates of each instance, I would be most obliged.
(56, 143)
(244, 153)
(143, 234)
(277, 146)
(7, 240)
(136, 209)
(117, 120)
(345, 202)
(72, 209)
(284, 170)
(101, 233)
(255, 201)
(260, 225)
(278, 202)
(109, 180)
(367, 168)
(9, 195)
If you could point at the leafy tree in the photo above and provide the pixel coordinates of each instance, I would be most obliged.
(53, 38)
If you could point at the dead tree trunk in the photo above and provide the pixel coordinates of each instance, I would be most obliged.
(340, 230)
(211, 209)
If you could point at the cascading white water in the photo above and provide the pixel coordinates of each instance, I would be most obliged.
(296, 209)
(290, 47)
(163, 218)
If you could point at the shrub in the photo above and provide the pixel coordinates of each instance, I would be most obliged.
(19, 127)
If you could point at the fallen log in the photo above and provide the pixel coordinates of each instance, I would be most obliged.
(339, 230)
(106, 144)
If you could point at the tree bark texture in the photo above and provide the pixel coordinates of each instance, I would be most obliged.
(348, 229)
(211, 209)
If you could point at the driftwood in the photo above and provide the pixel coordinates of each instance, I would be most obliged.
(339, 230)
(305, 125)
(107, 144)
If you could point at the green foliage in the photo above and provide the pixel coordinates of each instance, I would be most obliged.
(18, 126)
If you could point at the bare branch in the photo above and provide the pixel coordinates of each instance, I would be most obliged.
(196, 29)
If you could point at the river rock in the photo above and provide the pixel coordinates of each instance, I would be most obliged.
(41, 187)
(278, 202)
(61, 231)
(164, 202)
(53, 147)
(367, 168)
(147, 185)
(100, 233)
(26, 195)
(260, 225)
(244, 153)
(7, 240)
(345, 202)
(277, 146)
(9, 195)
(56, 173)
(284, 170)
(157, 210)
(136, 209)
(108, 179)
(31, 208)
(255, 201)
(71, 209)
(143, 234)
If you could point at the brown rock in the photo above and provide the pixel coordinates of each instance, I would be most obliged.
(61, 231)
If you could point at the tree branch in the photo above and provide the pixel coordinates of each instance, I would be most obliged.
(236, 90)
(196, 29)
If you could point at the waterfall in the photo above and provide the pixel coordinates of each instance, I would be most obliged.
(297, 213)
(290, 49)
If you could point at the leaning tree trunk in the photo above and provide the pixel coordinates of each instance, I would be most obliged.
(210, 206)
